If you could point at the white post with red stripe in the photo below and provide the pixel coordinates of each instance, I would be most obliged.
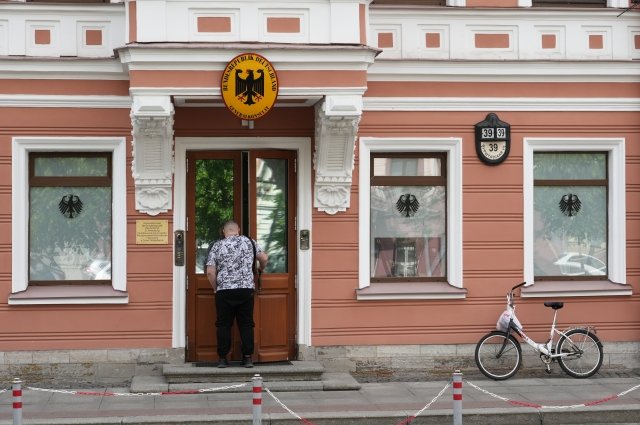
(457, 398)
(257, 399)
(17, 401)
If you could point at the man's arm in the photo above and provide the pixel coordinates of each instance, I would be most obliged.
(263, 259)
(211, 275)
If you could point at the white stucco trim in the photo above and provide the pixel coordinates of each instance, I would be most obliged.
(477, 70)
(617, 256)
(533, 104)
(21, 147)
(304, 210)
(64, 101)
(453, 148)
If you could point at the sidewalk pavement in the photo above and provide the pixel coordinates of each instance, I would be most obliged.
(538, 400)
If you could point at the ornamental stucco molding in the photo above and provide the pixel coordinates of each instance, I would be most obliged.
(152, 165)
(337, 119)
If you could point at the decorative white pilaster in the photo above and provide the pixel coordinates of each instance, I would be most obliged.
(337, 119)
(152, 165)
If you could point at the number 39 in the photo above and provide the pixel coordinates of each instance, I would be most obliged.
(487, 133)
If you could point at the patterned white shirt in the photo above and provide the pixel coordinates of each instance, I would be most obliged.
(232, 257)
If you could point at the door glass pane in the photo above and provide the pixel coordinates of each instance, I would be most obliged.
(570, 231)
(272, 211)
(214, 203)
(69, 233)
(408, 231)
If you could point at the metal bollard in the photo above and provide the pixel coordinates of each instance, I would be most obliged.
(457, 398)
(17, 401)
(257, 399)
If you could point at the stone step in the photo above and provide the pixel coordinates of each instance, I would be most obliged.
(334, 381)
(289, 371)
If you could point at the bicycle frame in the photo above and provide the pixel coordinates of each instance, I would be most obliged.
(576, 349)
(547, 348)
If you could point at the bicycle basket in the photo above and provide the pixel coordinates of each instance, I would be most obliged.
(503, 321)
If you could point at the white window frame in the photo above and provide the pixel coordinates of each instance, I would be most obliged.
(453, 148)
(617, 238)
(21, 148)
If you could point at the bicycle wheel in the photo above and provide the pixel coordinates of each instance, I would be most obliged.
(584, 353)
(498, 355)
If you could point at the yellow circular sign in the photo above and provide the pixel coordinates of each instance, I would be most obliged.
(249, 86)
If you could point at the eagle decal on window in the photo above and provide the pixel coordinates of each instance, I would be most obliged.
(70, 206)
(407, 205)
(570, 204)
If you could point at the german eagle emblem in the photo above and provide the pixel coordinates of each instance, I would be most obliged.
(570, 204)
(407, 205)
(70, 206)
(250, 87)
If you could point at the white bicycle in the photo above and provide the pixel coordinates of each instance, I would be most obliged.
(498, 355)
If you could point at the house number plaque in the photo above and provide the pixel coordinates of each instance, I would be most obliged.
(493, 140)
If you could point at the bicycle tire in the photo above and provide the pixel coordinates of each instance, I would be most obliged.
(587, 353)
(503, 367)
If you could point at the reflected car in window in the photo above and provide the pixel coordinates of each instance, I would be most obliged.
(576, 264)
(93, 267)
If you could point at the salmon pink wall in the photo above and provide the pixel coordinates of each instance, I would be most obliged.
(492, 234)
(146, 320)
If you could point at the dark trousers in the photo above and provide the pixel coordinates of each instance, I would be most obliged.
(234, 304)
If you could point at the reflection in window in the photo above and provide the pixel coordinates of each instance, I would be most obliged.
(570, 215)
(70, 198)
(408, 218)
(214, 203)
(272, 211)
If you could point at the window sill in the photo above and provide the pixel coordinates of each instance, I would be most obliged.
(410, 291)
(575, 288)
(69, 294)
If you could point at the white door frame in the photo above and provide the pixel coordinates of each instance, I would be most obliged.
(304, 210)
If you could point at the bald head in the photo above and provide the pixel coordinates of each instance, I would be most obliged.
(230, 228)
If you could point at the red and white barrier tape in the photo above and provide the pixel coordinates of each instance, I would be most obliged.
(114, 394)
(403, 422)
(419, 412)
(294, 414)
(540, 406)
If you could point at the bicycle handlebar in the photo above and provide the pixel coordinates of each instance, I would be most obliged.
(518, 285)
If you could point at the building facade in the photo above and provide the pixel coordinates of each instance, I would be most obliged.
(404, 163)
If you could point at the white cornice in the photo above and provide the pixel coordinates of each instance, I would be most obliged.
(215, 56)
(406, 104)
(539, 13)
(500, 104)
(214, 92)
(64, 101)
(52, 9)
(61, 69)
(501, 71)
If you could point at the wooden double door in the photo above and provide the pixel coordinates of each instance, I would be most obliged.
(257, 188)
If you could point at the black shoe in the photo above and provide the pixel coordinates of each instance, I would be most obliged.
(246, 361)
(223, 362)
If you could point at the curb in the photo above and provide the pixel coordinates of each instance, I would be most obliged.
(619, 414)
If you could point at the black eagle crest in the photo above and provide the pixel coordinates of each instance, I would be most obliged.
(570, 204)
(249, 87)
(70, 206)
(407, 205)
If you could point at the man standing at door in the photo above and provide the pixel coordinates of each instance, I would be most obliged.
(230, 271)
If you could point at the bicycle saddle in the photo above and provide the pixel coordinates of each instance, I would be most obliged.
(554, 304)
